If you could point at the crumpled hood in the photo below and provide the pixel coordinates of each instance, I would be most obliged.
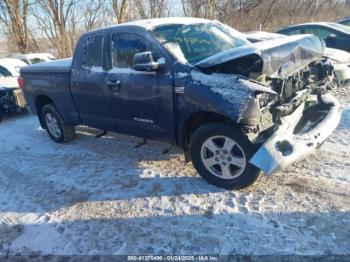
(281, 57)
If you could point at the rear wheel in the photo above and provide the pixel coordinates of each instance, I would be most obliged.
(220, 154)
(56, 127)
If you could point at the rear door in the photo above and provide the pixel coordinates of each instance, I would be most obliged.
(142, 102)
(88, 83)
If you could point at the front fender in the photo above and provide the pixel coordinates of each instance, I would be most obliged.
(227, 96)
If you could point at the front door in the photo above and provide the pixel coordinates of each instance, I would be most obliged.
(142, 102)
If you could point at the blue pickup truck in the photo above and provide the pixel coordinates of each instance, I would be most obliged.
(235, 108)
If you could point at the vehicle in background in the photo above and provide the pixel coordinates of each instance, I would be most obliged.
(258, 36)
(11, 96)
(335, 35)
(340, 59)
(341, 62)
(344, 21)
(234, 107)
(35, 58)
(9, 67)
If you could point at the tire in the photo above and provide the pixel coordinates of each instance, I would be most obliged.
(56, 127)
(220, 154)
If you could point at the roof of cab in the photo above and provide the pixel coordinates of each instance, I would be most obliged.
(149, 24)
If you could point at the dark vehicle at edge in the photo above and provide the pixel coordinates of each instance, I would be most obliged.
(235, 108)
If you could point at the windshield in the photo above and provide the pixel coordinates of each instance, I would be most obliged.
(4, 72)
(195, 42)
(342, 28)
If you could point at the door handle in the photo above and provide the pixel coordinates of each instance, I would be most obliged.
(114, 85)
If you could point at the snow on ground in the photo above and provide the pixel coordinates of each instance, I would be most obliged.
(106, 196)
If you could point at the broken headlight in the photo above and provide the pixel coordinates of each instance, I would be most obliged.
(250, 113)
(265, 99)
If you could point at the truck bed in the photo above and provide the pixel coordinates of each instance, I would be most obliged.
(50, 80)
(61, 65)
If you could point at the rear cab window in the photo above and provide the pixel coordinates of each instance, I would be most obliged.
(92, 56)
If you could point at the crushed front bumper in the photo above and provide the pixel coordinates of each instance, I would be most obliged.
(11, 100)
(287, 144)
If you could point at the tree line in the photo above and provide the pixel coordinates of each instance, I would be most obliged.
(55, 25)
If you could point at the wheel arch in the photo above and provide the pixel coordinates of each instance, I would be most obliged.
(40, 102)
(198, 119)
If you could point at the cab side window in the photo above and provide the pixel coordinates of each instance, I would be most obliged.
(93, 53)
(124, 47)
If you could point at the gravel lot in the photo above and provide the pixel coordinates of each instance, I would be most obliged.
(108, 196)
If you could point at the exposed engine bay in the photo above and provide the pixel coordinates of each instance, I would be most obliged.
(305, 86)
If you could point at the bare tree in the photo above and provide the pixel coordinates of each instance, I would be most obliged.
(57, 19)
(60, 22)
(14, 16)
(270, 15)
(151, 8)
(121, 10)
(198, 8)
(93, 14)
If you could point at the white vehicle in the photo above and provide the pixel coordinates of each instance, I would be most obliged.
(9, 67)
(341, 63)
(35, 58)
(340, 59)
(11, 96)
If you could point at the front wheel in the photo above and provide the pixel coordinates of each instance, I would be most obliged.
(220, 154)
(56, 127)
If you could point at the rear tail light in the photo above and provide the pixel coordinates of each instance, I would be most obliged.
(20, 81)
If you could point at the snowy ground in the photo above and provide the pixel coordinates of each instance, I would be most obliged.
(105, 196)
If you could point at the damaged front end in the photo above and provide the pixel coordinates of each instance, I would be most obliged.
(301, 113)
(11, 100)
(292, 124)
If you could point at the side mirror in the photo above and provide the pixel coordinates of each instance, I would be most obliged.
(145, 62)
